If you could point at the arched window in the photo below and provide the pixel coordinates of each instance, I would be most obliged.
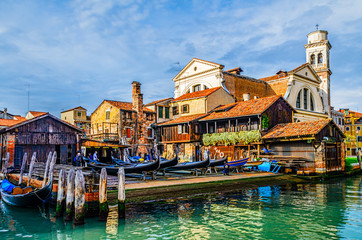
(312, 59)
(305, 100)
(298, 99)
(320, 58)
(196, 88)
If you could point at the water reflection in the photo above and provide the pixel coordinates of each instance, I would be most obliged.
(294, 211)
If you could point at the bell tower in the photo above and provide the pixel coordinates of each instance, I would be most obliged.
(317, 54)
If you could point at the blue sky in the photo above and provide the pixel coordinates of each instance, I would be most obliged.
(74, 53)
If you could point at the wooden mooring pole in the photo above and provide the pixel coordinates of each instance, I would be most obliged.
(49, 159)
(103, 203)
(70, 196)
(23, 165)
(61, 194)
(121, 193)
(51, 167)
(31, 167)
(79, 198)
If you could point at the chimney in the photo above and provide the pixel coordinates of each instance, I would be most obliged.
(137, 98)
(235, 71)
(246, 96)
(282, 73)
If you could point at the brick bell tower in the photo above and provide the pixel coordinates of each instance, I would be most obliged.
(317, 54)
(137, 106)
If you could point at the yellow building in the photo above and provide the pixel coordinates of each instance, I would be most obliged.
(352, 130)
(77, 116)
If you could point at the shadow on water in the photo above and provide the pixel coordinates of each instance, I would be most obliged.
(295, 211)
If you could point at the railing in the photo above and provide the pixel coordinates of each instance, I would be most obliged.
(185, 137)
(104, 136)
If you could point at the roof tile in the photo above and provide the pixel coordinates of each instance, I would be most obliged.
(198, 94)
(126, 106)
(183, 119)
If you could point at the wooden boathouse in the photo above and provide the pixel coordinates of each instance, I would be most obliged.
(41, 134)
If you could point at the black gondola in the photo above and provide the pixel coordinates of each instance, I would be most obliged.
(165, 163)
(218, 162)
(129, 168)
(33, 198)
(190, 165)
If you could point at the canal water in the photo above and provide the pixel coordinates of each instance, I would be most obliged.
(331, 210)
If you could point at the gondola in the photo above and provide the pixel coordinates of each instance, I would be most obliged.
(129, 168)
(165, 163)
(33, 198)
(237, 163)
(218, 162)
(190, 165)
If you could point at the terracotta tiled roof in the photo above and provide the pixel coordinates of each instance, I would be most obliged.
(297, 129)
(74, 109)
(198, 94)
(126, 106)
(356, 114)
(158, 101)
(247, 108)
(183, 119)
(11, 122)
(271, 78)
(37, 114)
(283, 74)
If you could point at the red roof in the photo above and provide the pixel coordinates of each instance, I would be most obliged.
(74, 109)
(198, 94)
(37, 114)
(283, 74)
(158, 101)
(356, 114)
(11, 122)
(183, 119)
(297, 129)
(126, 106)
(246, 108)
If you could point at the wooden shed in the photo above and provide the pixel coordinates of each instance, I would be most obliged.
(314, 146)
(40, 134)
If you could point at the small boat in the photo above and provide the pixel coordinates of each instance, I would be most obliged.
(218, 162)
(237, 163)
(129, 168)
(33, 198)
(190, 165)
(165, 163)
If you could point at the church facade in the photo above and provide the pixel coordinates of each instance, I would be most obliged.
(306, 88)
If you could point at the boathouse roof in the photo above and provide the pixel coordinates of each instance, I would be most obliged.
(183, 119)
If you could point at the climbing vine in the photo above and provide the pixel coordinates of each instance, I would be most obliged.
(265, 122)
(231, 138)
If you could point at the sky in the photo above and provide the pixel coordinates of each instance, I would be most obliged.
(62, 54)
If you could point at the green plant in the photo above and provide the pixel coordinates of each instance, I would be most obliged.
(231, 138)
(265, 122)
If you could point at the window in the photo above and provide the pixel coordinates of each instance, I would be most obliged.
(358, 128)
(128, 132)
(196, 88)
(149, 132)
(65, 118)
(298, 99)
(108, 114)
(175, 110)
(347, 128)
(312, 59)
(359, 138)
(167, 112)
(79, 114)
(185, 108)
(305, 99)
(160, 112)
(320, 58)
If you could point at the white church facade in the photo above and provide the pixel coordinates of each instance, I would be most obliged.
(306, 88)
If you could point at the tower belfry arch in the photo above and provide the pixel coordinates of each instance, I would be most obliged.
(317, 54)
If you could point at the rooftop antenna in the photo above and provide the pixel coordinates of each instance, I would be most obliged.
(28, 97)
(316, 27)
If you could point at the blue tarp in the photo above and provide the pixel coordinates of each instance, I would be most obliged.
(7, 186)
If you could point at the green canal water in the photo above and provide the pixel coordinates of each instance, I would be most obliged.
(331, 210)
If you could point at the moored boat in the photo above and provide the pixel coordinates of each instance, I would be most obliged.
(218, 162)
(190, 165)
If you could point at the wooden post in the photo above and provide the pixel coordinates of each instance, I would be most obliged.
(70, 196)
(6, 163)
(79, 198)
(23, 164)
(49, 159)
(103, 203)
(258, 151)
(31, 167)
(121, 193)
(51, 167)
(61, 194)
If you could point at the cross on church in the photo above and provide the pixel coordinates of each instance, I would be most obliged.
(316, 26)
